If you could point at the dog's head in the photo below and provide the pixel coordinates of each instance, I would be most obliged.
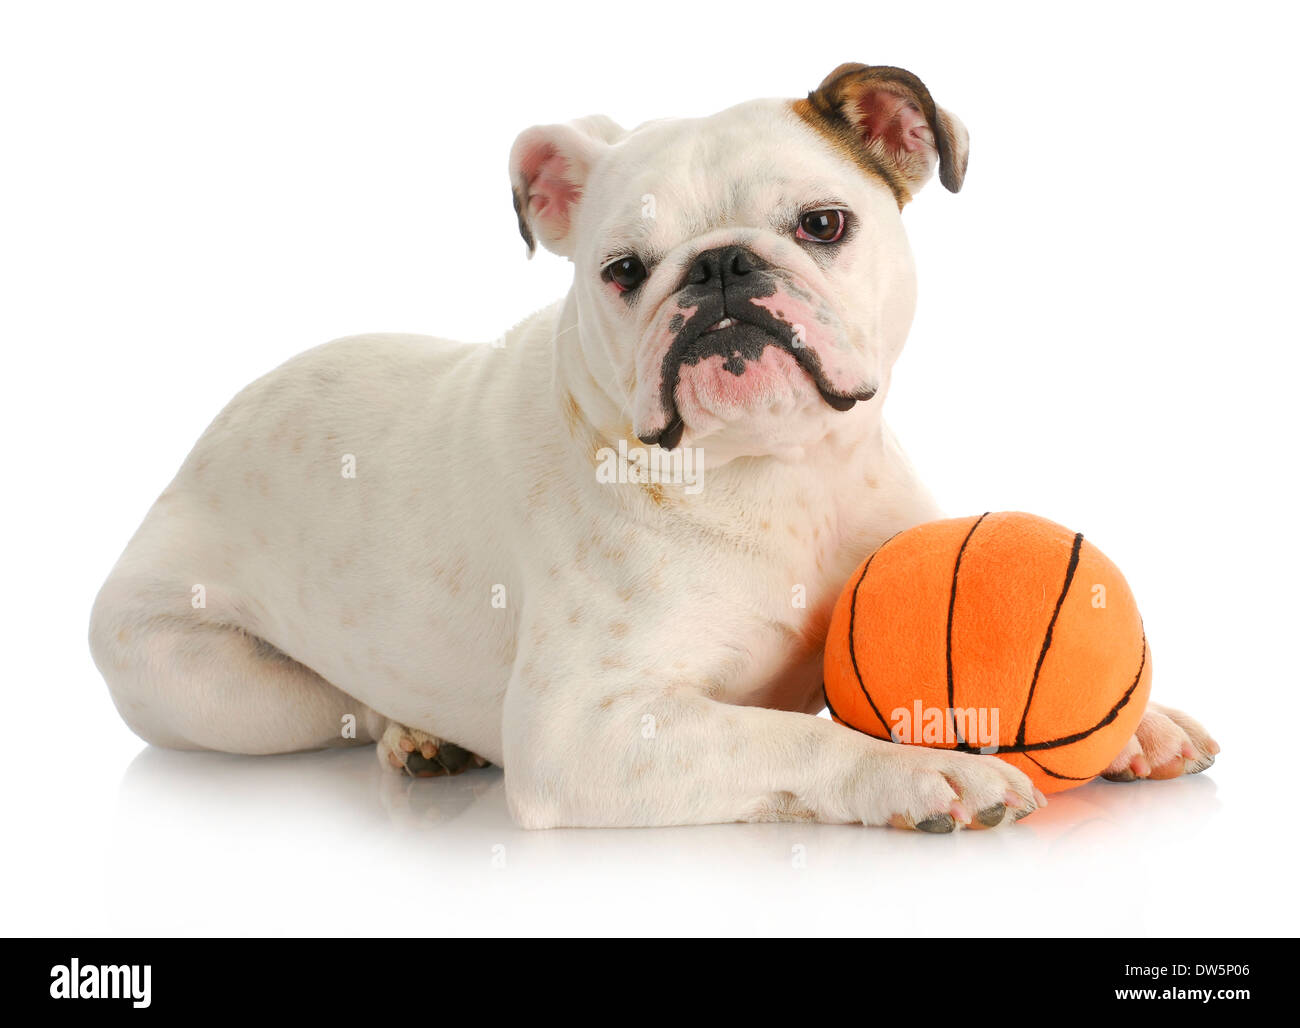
(742, 278)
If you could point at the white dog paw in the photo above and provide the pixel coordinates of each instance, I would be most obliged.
(1167, 744)
(939, 791)
(422, 755)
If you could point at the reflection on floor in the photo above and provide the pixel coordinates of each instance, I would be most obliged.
(330, 842)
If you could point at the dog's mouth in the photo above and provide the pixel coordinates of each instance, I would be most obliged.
(739, 338)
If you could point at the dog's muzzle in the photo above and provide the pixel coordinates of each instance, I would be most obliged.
(720, 289)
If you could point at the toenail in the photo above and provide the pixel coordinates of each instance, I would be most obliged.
(452, 757)
(421, 767)
(940, 824)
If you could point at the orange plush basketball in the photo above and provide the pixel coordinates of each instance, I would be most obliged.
(1003, 633)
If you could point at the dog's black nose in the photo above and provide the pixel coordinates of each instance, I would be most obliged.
(721, 266)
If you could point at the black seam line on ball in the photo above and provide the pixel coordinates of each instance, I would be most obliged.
(827, 700)
(1065, 740)
(952, 606)
(1055, 774)
(853, 646)
(844, 721)
(1047, 637)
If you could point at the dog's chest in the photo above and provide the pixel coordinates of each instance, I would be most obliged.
(802, 549)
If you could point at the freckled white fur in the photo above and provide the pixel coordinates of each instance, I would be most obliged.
(647, 660)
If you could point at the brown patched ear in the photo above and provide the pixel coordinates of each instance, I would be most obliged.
(887, 121)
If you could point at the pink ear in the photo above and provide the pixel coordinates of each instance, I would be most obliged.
(548, 171)
(549, 165)
(551, 185)
(895, 121)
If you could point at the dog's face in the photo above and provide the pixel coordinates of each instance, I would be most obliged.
(742, 279)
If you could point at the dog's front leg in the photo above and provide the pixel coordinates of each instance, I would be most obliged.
(612, 748)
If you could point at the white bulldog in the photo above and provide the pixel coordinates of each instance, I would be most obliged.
(602, 554)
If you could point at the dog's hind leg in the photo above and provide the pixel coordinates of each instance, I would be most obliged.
(186, 681)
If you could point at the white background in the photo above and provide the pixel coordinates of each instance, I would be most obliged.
(191, 193)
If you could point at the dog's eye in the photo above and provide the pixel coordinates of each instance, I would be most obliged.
(821, 226)
(626, 273)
